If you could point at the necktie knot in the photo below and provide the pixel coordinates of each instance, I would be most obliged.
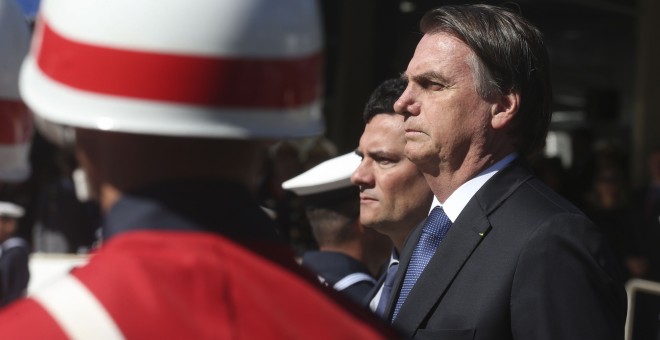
(437, 223)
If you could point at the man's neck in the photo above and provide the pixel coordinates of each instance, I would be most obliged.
(448, 177)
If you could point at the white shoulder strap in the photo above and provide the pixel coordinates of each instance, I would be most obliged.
(77, 310)
(12, 243)
(352, 279)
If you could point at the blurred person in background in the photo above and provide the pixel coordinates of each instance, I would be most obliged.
(14, 255)
(64, 222)
(607, 203)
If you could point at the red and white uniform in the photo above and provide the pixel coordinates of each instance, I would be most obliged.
(164, 283)
(179, 285)
(242, 69)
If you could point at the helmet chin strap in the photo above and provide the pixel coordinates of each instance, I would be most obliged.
(81, 185)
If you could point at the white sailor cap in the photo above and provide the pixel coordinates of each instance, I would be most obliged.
(328, 183)
(330, 175)
(8, 209)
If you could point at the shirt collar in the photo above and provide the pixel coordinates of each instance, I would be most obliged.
(394, 257)
(461, 196)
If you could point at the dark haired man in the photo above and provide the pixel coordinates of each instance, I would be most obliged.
(394, 197)
(502, 256)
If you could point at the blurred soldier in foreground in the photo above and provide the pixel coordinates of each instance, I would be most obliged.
(170, 101)
(349, 254)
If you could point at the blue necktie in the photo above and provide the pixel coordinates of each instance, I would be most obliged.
(387, 289)
(434, 230)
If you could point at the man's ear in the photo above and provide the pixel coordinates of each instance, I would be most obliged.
(504, 110)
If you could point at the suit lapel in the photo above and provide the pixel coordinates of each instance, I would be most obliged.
(461, 240)
(469, 229)
(404, 260)
(374, 290)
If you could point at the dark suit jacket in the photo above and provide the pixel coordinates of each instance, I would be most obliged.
(381, 279)
(519, 262)
(333, 266)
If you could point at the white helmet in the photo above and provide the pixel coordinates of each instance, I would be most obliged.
(16, 126)
(201, 68)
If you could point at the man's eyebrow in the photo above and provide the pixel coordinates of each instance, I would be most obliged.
(426, 76)
(380, 154)
(358, 152)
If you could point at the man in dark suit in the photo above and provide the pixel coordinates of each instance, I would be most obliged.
(505, 257)
(394, 196)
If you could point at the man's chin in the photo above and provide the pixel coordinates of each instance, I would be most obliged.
(414, 153)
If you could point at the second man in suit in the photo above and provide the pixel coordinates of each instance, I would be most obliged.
(394, 197)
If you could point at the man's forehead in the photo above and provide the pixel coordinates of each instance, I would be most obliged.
(437, 48)
(385, 119)
(384, 134)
